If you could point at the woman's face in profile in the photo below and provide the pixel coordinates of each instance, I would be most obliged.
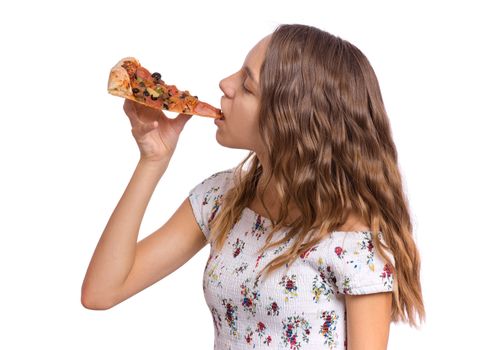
(241, 101)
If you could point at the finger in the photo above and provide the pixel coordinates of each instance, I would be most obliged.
(128, 106)
(181, 120)
(130, 110)
(144, 112)
(134, 109)
(133, 120)
(184, 117)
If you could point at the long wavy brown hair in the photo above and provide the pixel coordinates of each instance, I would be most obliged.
(330, 148)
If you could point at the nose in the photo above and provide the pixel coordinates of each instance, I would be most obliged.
(226, 88)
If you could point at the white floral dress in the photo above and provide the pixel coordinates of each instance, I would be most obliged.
(301, 309)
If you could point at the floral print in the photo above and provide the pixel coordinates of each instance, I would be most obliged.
(250, 298)
(299, 307)
(329, 327)
(258, 228)
(216, 319)
(272, 309)
(230, 315)
(291, 327)
(387, 276)
(238, 245)
(290, 288)
(323, 282)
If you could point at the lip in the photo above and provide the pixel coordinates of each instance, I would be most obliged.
(218, 121)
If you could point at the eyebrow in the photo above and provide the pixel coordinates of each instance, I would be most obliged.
(250, 74)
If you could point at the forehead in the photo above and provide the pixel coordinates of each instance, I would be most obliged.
(256, 55)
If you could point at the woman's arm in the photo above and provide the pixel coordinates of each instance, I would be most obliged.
(115, 253)
(368, 321)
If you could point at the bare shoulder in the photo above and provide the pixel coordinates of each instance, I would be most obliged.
(354, 222)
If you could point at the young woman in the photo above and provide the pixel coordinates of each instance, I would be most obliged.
(311, 243)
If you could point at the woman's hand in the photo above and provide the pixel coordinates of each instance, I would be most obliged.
(155, 133)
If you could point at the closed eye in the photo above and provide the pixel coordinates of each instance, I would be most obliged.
(244, 88)
(244, 77)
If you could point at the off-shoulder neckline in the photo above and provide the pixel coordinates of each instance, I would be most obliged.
(254, 214)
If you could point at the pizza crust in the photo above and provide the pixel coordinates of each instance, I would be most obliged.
(119, 83)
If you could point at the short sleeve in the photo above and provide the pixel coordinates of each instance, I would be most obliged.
(358, 268)
(205, 198)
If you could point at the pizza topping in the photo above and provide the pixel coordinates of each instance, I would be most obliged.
(130, 67)
(153, 91)
(143, 73)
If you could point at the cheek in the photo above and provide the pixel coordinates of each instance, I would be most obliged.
(248, 122)
(249, 111)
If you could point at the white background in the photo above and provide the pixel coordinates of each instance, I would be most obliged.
(67, 154)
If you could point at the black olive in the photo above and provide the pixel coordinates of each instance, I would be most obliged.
(165, 105)
(154, 98)
(196, 97)
(156, 75)
(146, 93)
(136, 90)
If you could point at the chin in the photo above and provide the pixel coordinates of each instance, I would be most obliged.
(226, 144)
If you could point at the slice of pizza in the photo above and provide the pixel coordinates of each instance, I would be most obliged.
(130, 80)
